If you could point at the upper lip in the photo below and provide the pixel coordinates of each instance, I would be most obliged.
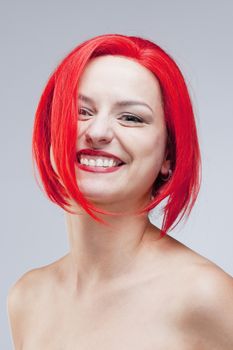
(92, 152)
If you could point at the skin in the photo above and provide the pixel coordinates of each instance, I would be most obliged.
(122, 287)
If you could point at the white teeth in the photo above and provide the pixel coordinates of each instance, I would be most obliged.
(99, 162)
(102, 162)
(91, 162)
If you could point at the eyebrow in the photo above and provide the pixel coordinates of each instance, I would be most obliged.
(122, 103)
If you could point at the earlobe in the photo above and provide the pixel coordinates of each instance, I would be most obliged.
(166, 171)
(168, 176)
(166, 166)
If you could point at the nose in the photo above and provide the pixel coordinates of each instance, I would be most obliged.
(99, 132)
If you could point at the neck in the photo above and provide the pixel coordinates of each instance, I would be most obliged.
(100, 254)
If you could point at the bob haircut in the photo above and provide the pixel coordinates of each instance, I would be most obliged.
(56, 124)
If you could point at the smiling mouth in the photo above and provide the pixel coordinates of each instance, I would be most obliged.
(98, 162)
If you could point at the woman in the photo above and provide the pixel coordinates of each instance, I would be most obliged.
(114, 134)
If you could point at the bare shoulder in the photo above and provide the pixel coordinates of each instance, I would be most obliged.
(19, 298)
(210, 288)
(212, 283)
(207, 305)
(24, 297)
(24, 286)
(207, 282)
(23, 292)
(31, 284)
(192, 260)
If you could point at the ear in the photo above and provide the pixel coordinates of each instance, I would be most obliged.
(166, 165)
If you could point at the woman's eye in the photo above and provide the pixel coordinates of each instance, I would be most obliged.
(130, 117)
(84, 112)
(126, 117)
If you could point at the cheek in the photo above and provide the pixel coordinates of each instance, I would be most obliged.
(80, 131)
(150, 146)
(153, 158)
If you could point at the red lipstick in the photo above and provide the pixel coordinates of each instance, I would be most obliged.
(98, 169)
(94, 169)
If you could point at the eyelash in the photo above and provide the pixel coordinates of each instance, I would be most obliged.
(136, 119)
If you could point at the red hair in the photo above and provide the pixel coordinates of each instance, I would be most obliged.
(56, 124)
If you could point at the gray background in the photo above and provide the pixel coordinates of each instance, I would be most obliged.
(35, 36)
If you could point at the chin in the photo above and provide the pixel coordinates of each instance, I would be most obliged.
(99, 197)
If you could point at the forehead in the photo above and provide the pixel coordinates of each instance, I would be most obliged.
(120, 77)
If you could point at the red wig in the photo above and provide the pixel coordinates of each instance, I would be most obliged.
(56, 124)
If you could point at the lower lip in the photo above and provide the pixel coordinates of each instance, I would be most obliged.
(94, 169)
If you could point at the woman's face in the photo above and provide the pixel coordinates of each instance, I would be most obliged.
(135, 132)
